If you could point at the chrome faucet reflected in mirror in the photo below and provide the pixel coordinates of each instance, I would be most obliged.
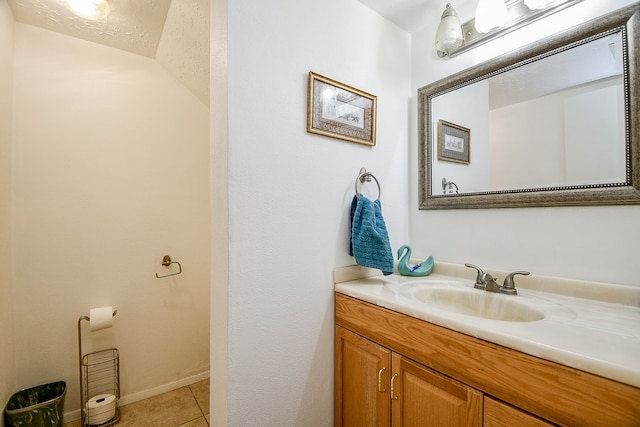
(449, 187)
(487, 282)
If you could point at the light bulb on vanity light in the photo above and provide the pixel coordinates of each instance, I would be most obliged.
(538, 4)
(89, 9)
(449, 33)
(491, 14)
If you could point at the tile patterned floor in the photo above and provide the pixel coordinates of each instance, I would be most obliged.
(185, 407)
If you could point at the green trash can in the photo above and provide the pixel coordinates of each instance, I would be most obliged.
(40, 406)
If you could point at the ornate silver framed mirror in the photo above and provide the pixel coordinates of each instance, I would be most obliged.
(552, 124)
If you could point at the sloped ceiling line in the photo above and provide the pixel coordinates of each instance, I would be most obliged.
(176, 35)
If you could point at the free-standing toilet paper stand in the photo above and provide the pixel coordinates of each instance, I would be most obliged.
(99, 384)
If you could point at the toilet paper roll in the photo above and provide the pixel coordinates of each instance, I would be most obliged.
(101, 408)
(100, 318)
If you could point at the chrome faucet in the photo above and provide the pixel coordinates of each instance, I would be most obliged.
(487, 282)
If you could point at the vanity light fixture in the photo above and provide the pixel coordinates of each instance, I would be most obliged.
(89, 9)
(449, 34)
(488, 25)
(491, 14)
(538, 4)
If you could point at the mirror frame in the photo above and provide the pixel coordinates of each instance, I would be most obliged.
(626, 20)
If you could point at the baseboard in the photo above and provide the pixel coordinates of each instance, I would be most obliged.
(145, 394)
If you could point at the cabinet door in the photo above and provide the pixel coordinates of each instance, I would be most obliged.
(422, 397)
(498, 414)
(362, 381)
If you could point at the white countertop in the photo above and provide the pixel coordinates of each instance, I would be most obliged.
(588, 332)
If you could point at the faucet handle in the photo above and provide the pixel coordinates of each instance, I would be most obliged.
(509, 286)
(480, 278)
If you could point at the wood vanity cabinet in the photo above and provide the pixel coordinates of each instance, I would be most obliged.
(396, 370)
(362, 381)
(377, 387)
(498, 414)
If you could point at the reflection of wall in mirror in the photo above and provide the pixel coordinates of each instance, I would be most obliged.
(526, 145)
(573, 137)
(594, 136)
(461, 107)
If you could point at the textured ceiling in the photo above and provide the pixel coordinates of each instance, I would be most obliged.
(175, 34)
(184, 45)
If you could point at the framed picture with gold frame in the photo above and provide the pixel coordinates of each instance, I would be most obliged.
(454, 143)
(340, 111)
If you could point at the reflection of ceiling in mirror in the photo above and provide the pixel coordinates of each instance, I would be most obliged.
(567, 69)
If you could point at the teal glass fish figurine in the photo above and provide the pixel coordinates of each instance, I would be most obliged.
(406, 269)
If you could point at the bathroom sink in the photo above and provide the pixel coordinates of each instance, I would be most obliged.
(474, 302)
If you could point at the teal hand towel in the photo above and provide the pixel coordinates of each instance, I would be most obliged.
(369, 238)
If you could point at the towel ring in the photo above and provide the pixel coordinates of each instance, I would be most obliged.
(365, 176)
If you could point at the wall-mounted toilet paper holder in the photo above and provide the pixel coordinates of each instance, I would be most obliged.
(166, 261)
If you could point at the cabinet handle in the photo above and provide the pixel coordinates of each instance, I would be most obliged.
(393, 395)
(380, 389)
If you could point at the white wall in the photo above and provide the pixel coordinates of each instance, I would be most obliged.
(7, 354)
(110, 173)
(219, 136)
(289, 196)
(595, 243)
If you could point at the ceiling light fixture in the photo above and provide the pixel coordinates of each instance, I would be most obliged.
(89, 9)
(490, 21)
